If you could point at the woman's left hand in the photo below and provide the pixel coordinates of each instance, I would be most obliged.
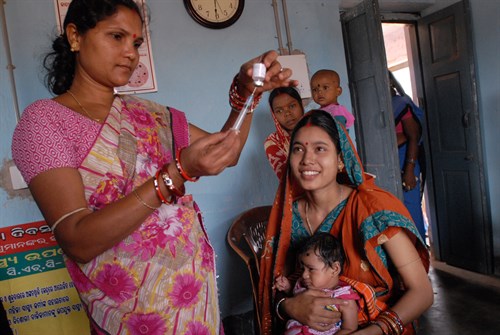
(409, 180)
(276, 75)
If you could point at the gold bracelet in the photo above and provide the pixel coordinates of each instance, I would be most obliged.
(142, 201)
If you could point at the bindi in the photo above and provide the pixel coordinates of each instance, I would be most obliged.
(134, 36)
(307, 143)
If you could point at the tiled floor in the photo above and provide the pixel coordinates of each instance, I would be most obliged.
(465, 303)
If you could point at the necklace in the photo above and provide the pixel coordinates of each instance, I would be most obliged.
(307, 213)
(83, 108)
(307, 219)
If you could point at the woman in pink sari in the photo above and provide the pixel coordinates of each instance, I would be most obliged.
(108, 171)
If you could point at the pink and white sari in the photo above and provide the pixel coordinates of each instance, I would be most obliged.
(161, 278)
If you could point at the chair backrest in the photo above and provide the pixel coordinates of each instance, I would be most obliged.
(246, 237)
(247, 233)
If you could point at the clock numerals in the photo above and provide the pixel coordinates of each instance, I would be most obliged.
(215, 14)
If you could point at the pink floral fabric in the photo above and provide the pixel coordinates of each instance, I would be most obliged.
(161, 278)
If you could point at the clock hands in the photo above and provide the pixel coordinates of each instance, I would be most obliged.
(215, 8)
(216, 3)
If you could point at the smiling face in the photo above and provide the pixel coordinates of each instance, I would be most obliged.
(287, 111)
(317, 274)
(325, 87)
(314, 159)
(109, 52)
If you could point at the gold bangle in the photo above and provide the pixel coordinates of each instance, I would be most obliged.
(142, 201)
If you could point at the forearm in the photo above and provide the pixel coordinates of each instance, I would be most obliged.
(86, 234)
(101, 230)
(418, 295)
(408, 308)
(411, 130)
(411, 155)
(414, 302)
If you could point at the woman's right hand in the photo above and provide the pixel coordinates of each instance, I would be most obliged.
(211, 154)
(308, 308)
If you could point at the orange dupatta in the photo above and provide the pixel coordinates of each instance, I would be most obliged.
(364, 269)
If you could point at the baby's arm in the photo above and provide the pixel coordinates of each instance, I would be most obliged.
(282, 284)
(349, 317)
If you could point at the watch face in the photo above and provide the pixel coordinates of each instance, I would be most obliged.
(215, 13)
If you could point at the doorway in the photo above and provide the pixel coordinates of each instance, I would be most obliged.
(401, 63)
(460, 220)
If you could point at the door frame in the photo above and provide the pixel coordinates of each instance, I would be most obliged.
(417, 84)
(420, 89)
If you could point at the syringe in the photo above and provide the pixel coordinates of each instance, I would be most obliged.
(259, 73)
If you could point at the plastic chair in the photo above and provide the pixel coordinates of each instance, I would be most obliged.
(246, 236)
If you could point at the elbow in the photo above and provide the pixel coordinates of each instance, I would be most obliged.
(428, 294)
(430, 298)
(77, 254)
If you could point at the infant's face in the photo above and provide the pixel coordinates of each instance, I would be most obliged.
(316, 273)
(325, 89)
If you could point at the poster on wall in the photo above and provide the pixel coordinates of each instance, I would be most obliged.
(143, 80)
(35, 288)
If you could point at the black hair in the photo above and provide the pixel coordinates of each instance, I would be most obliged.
(60, 63)
(284, 90)
(395, 86)
(326, 246)
(322, 119)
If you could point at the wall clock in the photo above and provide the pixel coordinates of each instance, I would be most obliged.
(215, 14)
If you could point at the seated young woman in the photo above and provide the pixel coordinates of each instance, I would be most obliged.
(326, 190)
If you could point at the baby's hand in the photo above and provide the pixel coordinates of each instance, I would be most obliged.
(282, 284)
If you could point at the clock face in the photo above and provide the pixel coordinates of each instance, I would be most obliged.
(215, 14)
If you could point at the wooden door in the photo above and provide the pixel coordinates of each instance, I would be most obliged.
(454, 135)
(371, 100)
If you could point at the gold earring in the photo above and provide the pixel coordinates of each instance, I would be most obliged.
(341, 166)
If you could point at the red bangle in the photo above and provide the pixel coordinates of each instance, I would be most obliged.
(236, 101)
(169, 183)
(180, 169)
(158, 191)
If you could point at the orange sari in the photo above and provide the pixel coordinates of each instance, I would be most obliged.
(370, 217)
